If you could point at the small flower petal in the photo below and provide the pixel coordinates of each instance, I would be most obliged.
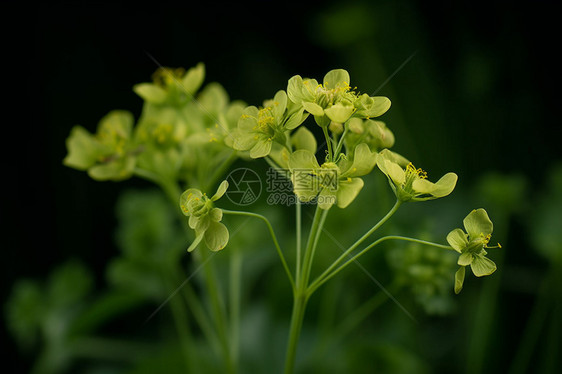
(459, 279)
(482, 266)
(478, 223)
(457, 239)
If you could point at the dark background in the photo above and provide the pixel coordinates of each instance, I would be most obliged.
(478, 92)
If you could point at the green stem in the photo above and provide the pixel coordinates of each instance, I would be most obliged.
(235, 303)
(340, 143)
(297, 318)
(328, 143)
(273, 236)
(221, 170)
(329, 275)
(298, 239)
(347, 252)
(300, 297)
(312, 244)
(218, 311)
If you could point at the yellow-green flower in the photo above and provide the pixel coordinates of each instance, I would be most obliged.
(330, 183)
(471, 246)
(411, 184)
(204, 218)
(334, 99)
(259, 128)
(110, 154)
(172, 86)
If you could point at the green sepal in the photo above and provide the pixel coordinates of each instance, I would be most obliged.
(220, 191)
(196, 242)
(151, 93)
(313, 108)
(478, 223)
(193, 79)
(363, 162)
(457, 239)
(482, 266)
(261, 148)
(304, 139)
(459, 279)
(337, 78)
(216, 236)
(339, 112)
(348, 191)
(83, 149)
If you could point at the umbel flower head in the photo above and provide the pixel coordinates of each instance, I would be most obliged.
(204, 218)
(471, 246)
(330, 183)
(411, 184)
(259, 128)
(334, 99)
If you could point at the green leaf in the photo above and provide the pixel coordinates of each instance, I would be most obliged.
(216, 236)
(336, 78)
(339, 112)
(193, 79)
(482, 266)
(150, 93)
(304, 139)
(457, 239)
(478, 223)
(313, 108)
(459, 279)
(348, 191)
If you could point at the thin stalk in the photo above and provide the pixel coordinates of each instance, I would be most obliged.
(235, 287)
(348, 251)
(328, 143)
(297, 318)
(329, 275)
(221, 170)
(219, 314)
(300, 298)
(340, 143)
(273, 237)
(298, 220)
